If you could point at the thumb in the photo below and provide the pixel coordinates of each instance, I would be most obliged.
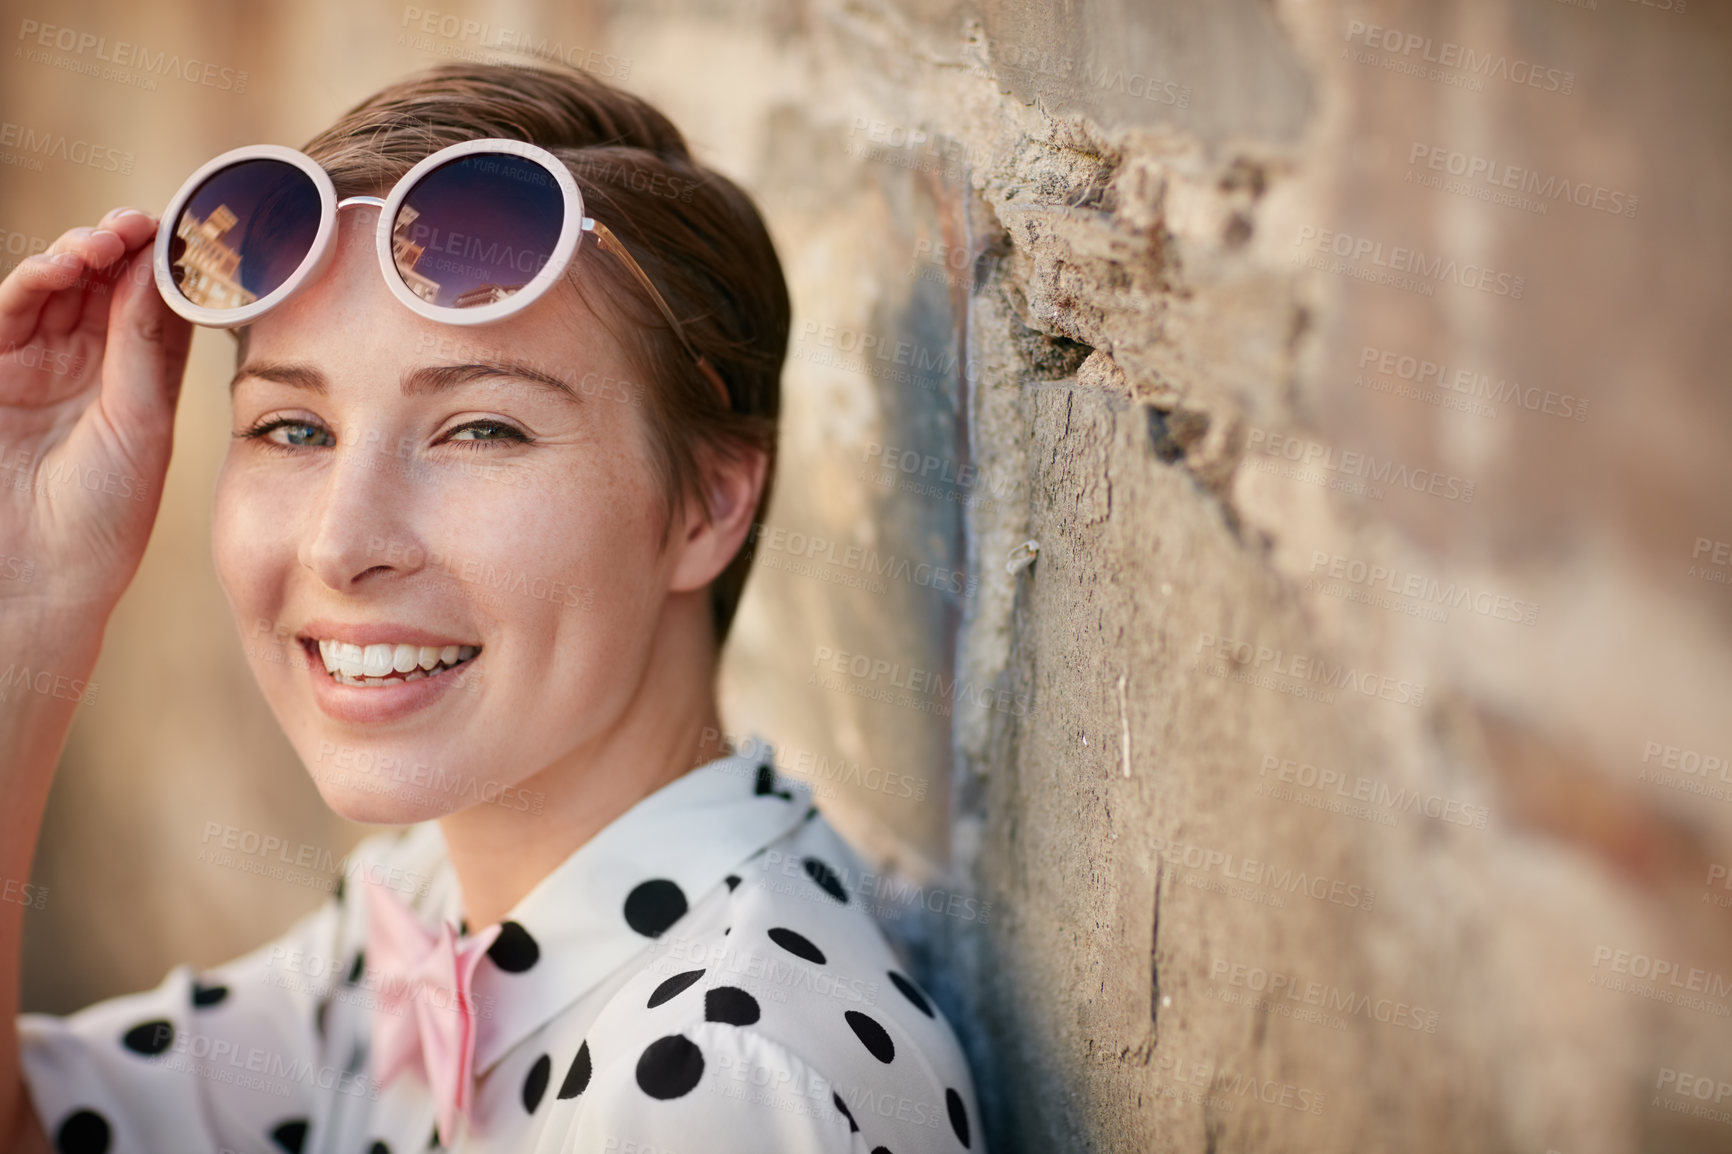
(145, 358)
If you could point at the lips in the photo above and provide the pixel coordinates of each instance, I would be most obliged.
(385, 673)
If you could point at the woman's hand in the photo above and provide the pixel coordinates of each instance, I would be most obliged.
(90, 368)
(91, 361)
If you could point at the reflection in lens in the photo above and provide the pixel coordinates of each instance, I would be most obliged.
(477, 229)
(243, 233)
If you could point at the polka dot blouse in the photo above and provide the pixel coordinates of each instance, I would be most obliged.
(699, 977)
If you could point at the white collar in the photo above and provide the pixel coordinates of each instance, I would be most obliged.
(650, 864)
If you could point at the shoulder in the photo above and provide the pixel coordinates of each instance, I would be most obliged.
(783, 1002)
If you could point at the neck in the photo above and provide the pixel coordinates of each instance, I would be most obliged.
(667, 729)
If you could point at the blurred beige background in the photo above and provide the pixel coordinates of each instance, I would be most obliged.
(1325, 404)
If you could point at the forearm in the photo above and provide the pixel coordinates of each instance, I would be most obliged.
(43, 654)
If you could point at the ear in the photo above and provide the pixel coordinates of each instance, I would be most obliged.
(708, 545)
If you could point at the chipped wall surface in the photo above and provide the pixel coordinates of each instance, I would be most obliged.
(1324, 804)
(1248, 563)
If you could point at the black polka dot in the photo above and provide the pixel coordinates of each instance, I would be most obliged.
(433, 1138)
(675, 985)
(356, 967)
(535, 1085)
(463, 927)
(871, 1035)
(203, 996)
(378, 1147)
(765, 786)
(337, 892)
(911, 993)
(82, 1132)
(811, 812)
(733, 880)
(319, 1016)
(670, 1067)
(880, 1150)
(576, 1078)
(654, 906)
(513, 950)
(853, 1126)
(730, 1005)
(797, 944)
(290, 1135)
(958, 1115)
(826, 879)
(149, 1038)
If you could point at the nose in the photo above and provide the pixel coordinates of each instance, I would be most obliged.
(359, 533)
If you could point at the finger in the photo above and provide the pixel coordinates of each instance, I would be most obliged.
(135, 229)
(71, 240)
(54, 290)
(127, 226)
(28, 288)
(61, 312)
(144, 361)
(132, 226)
(102, 250)
(100, 247)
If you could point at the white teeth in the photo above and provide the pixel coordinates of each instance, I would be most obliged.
(382, 664)
(377, 659)
(349, 659)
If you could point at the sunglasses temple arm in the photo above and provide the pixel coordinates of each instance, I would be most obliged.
(605, 238)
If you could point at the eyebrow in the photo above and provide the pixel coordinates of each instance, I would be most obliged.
(423, 381)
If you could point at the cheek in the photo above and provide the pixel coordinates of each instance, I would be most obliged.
(253, 550)
(568, 571)
(592, 530)
(244, 543)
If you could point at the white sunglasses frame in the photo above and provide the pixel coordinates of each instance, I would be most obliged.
(571, 229)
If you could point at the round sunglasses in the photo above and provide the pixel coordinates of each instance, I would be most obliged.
(474, 233)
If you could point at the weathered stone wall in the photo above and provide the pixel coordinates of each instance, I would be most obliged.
(1347, 770)
(1358, 387)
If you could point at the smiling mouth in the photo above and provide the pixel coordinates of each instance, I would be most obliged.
(369, 666)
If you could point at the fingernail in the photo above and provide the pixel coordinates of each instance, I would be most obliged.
(105, 232)
(126, 212)
(68, 259)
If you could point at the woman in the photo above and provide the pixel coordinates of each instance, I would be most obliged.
(497, 562)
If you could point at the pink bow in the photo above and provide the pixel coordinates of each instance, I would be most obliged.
(426, 1015)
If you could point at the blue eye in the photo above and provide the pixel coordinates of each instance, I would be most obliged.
(297, 434)
(303, 434)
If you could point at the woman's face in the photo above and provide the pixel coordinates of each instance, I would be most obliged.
(472, 548)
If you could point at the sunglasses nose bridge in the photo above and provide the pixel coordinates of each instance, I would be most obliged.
(370, 201)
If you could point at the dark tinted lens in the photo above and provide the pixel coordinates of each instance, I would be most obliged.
(243, 232)
(477, 229)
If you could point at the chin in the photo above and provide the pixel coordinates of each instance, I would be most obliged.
(371, 799)
(389, 784)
